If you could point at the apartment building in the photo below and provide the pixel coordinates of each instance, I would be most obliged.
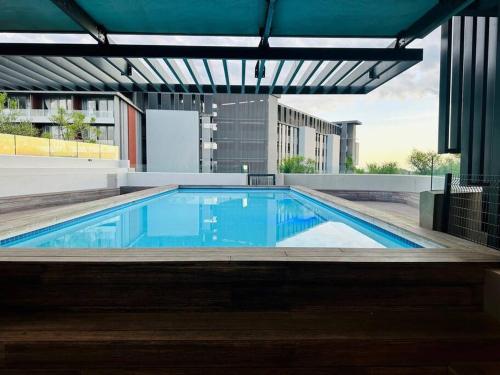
(300, 133)
(227, 133)
(115, 116)
(254, 133)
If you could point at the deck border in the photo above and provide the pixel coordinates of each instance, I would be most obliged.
(447, 248)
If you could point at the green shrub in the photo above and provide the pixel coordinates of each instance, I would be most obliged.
(46, 135)
(74, 127)
(390, 167)
(9, 114)
(297, 164)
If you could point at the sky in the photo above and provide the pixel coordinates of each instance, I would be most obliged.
(397, 117)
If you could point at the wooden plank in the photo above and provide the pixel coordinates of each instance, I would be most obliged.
(251, 354)
(240, 286)
(488, 368)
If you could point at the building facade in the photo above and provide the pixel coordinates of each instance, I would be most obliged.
(254, 133)
(349, 145)
(115, 117)
(237, 132)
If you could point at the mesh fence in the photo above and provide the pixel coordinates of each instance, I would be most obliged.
(473, 208)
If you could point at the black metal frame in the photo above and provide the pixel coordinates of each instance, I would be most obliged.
(210, 52)
(468, 99)
(113, 67)
(72, 9)
(134, 68)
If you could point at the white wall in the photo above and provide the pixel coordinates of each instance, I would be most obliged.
(162, 178)
(26, 175)
(370, 182)
(172, 141)
(17, 161)
(307, 142)
(272, 135)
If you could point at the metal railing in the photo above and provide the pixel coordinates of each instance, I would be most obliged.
(471, 208)
(33, 146)
(257, 179)
(47, 113)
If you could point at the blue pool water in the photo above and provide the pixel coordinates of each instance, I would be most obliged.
(215, 218)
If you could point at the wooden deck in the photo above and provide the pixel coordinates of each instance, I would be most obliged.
(245, 317)
(246, 310)
(247, 343)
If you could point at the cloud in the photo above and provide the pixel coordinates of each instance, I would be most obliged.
(46, 38)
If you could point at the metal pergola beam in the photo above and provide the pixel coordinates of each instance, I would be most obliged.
(193, 74)
(209, 74)
(226, 75)
(442, 12)
(266, 32)
(156, 67)
(172, 65)
(276, 76)
(73, 10)
(60, 71)
(292, 74)
(210, 52)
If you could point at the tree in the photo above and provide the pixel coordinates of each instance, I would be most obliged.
(62, 120)
(9, 115)
(349, 164)
(74, 127)
(297, 164)
(422, 161)
(390, 167)
(448, 164)
(429, 162)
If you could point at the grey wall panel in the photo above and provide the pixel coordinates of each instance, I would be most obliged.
(152, 100)
(477, 142)
(469, 44)
(492, 149)
(444, 87)
(165, 101)
(457, 60)
(173, 141)
(470, 93)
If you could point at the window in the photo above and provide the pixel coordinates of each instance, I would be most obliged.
(22, 102)
(93, 104)
(57, 102)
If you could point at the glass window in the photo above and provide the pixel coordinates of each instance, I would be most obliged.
(103, 105)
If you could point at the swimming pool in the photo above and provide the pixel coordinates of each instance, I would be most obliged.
(215, 218)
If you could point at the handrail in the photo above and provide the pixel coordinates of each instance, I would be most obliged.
(30, 113)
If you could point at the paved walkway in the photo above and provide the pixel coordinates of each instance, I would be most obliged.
(397, 209)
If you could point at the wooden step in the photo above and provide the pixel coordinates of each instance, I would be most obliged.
(289, 343)
(240, 286)
(491, 368)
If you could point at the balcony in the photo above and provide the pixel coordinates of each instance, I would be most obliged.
(43, 116)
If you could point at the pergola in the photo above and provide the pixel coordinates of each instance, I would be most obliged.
(105, 66)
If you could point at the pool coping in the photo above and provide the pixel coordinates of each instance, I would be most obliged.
(453, 249)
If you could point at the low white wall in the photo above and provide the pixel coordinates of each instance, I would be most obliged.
(15, 161)
(165, 178)
(27, 175)
(370, 182)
